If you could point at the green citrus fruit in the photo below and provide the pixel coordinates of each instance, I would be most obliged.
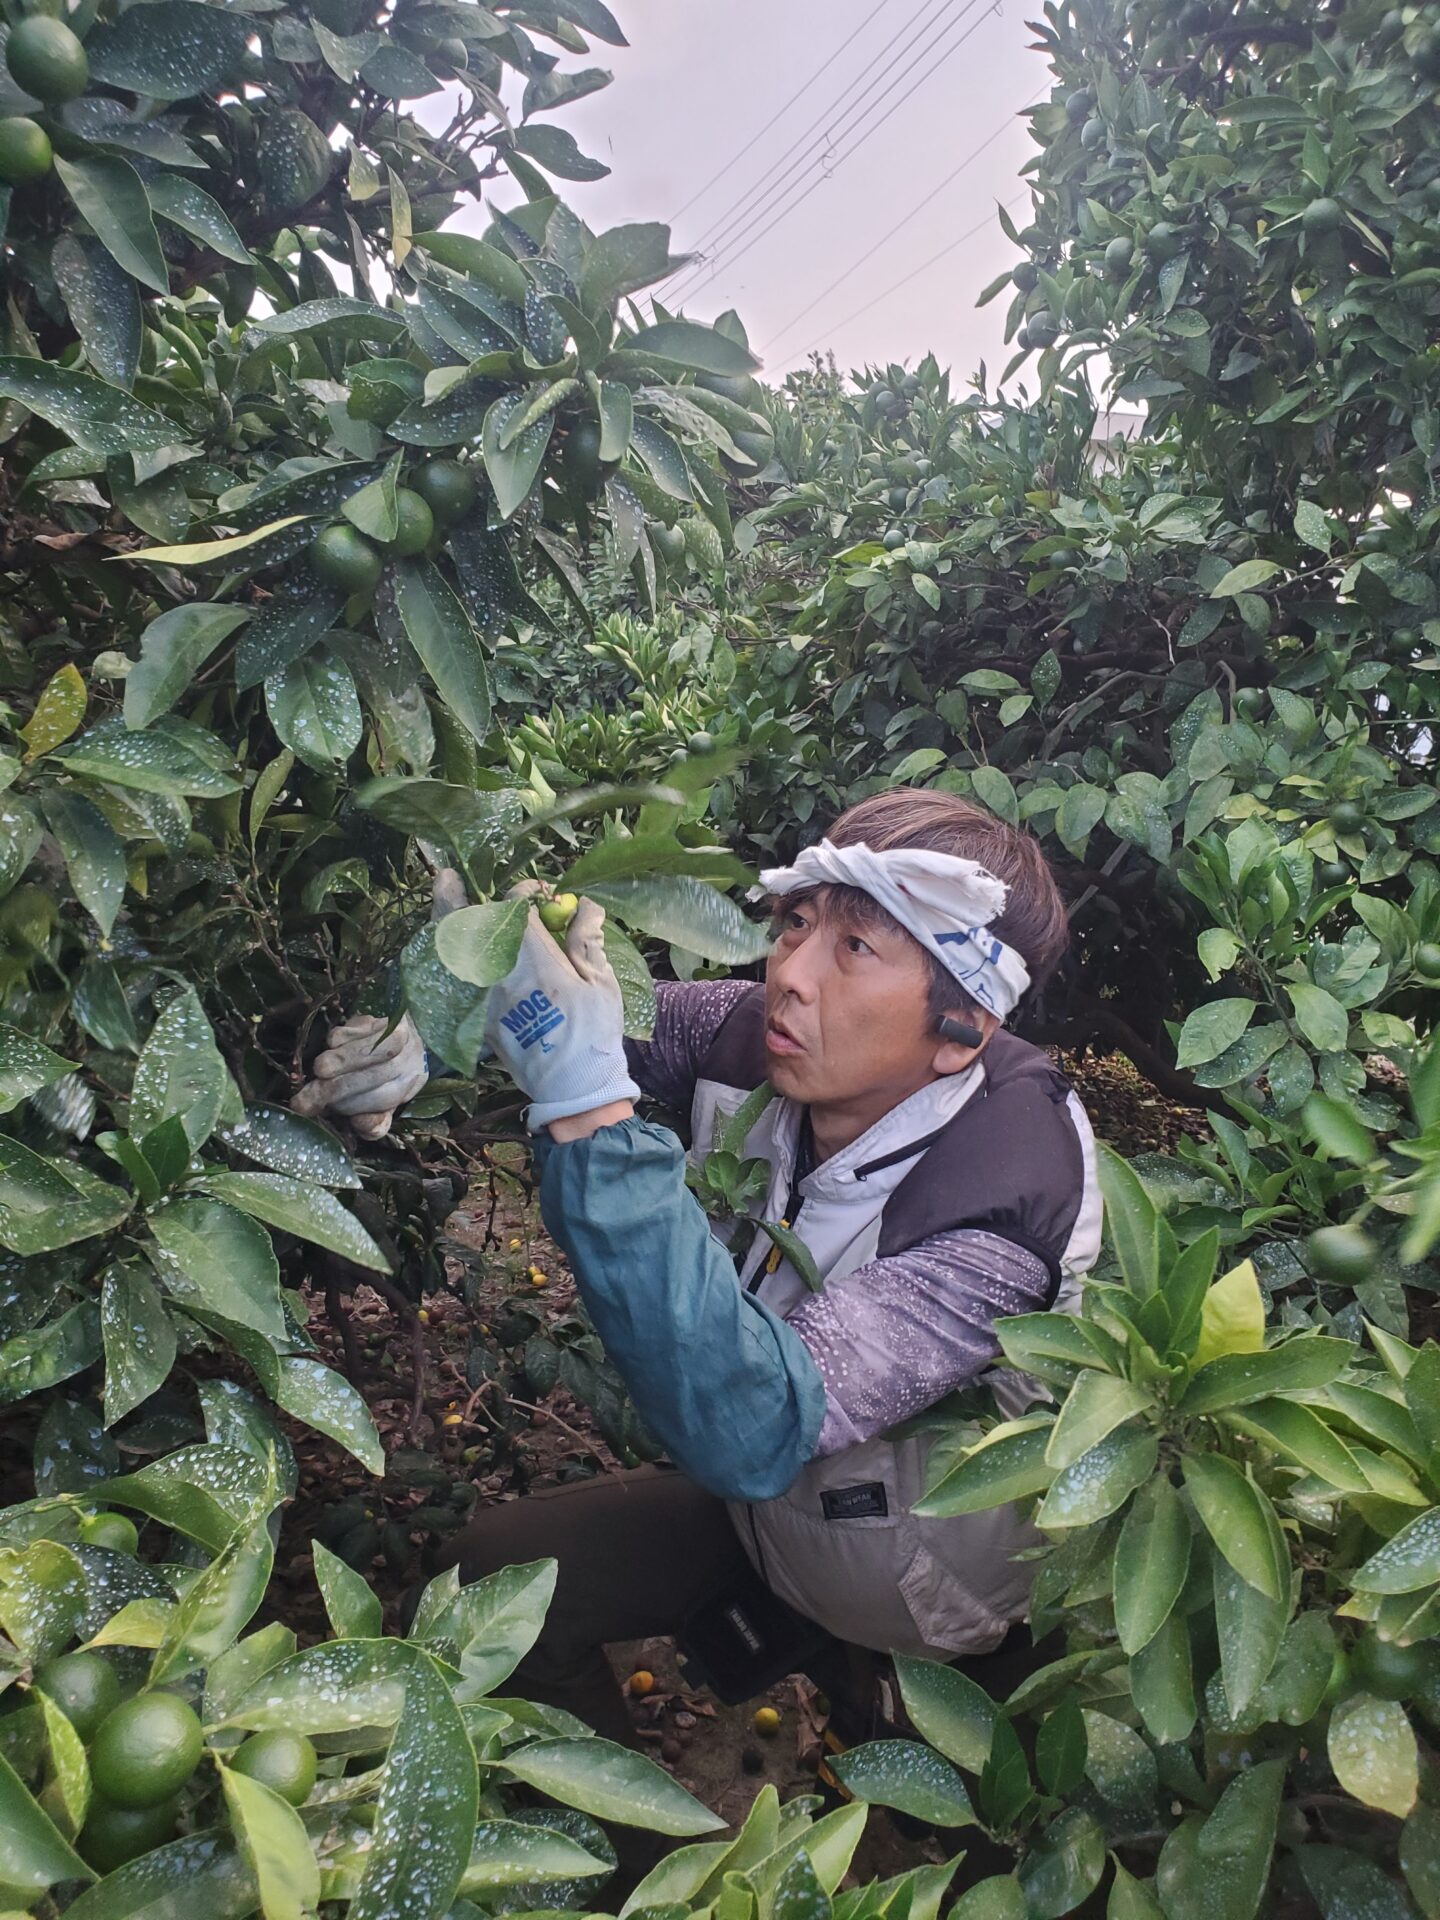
(113, 1530)
(1332, 873)
(702, 742)
(46, 60)
(1322, 218)
(1043, 328)
(447, 488)
(1338, 1685)
(556, 914)
(1163, 242)
(1427, 960)
(1345, 1255)
(112, 1835)
(894, 539)
(1346, 816)
(886, 402)
(1092, 133)
(280, 1760)
(85, 1688)
(417, 524)
(453, 51)
(580, 459)
(668, 542)
(1251, 702)
(25, 151)
(346, 560)
(1118, 256)
(1080, 104)
(897, 498)
(1026, 276)
(146, 1750)
(1389, 1671)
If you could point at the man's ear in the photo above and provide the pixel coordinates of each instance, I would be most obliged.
(953, 1056)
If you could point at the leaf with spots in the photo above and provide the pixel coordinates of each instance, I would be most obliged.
(191, 209)
(139, 1339)
(108, 193)
(170, 50)
(1374, 1753)
(96, 416)
(911, 1778)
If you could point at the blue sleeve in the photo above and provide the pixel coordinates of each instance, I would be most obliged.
(726, 1387)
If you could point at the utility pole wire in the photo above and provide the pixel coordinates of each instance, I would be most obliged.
(778, 114)
(914, 273)
(890, 234)
(727, 260)
(740, 208)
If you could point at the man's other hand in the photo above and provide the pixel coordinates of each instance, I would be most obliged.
(365, 1074)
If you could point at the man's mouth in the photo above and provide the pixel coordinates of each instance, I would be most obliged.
(779, 1039)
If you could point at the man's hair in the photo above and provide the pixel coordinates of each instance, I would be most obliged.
(1034, 922)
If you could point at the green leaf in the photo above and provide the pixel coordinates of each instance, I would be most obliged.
(1420, 1858)
(1297, 1431)
(429, 1800)
(1100, 1481)
(494, 1623)
(908, 1777)
(1120, 1766)
(1061, 1747)
(1152, 1559)
(25, 1065)
(315, 709)
(221, 1260)
(687, 912)
(109, 195)
(335, 316)
(1372, 1749)
(1407, 1562)
(998, 1898)
(45, 1204)
(1232, 1318)
(637, 991)
(682, 343)
(181, 1072)
(156, 761)
(1064, 1865)
(325, 1400)
(1221, 1865)
(34, 1854)
(512, 468)
(274, 1842)
(1241, 1522)
(219, 1602)
(175, 49)
(642, 855)
(449, 1013)
(1245, 578)
(1008, 1465)
(69, 1785)
(948, 1708)
(505, 1853)
(1334, 1127)
(58, 712)
(191, 209)
(612, 1783)
(94, 857)
(1321, 1018)
(1210, 1029)
(555, 150)
(439, 629)
(1133, 1221)
(96, 416)
(298, 1207)
(1094, 1407)
(1303, 1362)
(330, 1688)
(139, 1340)
(481, 945)
(173, 648)
(1312, 527)
(287, 1142)
(204, 553)
(203, 1873)
(1162, 1682)
(354, 1612)
(375, 509)
(103, 302)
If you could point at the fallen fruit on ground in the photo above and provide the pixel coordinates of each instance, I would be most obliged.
(641, 1682)
(767, 1721)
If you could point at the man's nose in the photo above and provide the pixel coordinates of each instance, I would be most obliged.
(796, 969)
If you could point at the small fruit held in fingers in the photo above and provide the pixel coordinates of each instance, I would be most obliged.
(25, 151)
(556, 914)
(47, 60)
(641, 1682)
(281, 1760)
(767, 1722)
(1344, 1255)
(345, 559)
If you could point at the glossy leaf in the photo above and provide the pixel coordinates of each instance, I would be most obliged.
(439, 629)
(216, 1257)
(109, 195)
(1241, 1522)
(425, 1821)
(1373, 1751)
(276, 1847)
(481, 945)
(353, 1610)
(612, 1783)
(1100, 1481)
(139, 1340)
(173, 648)
(953, 1713)
(1094, 1407)
(34, 1854)
(298, 1207)
(688, 913)
(1152, 1559)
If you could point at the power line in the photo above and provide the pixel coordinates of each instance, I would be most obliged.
(729, 259)
(914, 274)
(888, 236)
(778, 114)
(741, 207)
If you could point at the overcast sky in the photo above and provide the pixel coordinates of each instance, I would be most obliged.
(934, 84)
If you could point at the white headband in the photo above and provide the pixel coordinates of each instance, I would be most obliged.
(945, 901)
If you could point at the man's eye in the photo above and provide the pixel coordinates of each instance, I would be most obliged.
(854, 944)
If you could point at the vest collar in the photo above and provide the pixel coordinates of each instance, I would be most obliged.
(872, 1166)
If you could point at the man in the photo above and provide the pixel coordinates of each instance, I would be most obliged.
(940, 1180)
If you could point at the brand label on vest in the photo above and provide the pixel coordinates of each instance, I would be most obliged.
(530, 1019)
(865, 1502)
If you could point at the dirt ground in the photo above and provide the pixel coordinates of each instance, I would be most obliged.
(415, 1380)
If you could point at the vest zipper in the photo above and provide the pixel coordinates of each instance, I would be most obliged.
(900, 1153)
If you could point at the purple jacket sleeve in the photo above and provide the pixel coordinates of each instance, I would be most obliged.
(689, 1014)
(895, 1336)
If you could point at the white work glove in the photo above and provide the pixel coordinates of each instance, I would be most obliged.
(557, 1021)
(365, 1073)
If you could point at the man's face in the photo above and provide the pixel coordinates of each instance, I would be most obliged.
(847, 1020)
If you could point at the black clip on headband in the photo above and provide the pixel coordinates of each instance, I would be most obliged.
(960, 1031)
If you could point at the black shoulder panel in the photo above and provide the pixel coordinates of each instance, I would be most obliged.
(736, 1056)
(1010, 1162)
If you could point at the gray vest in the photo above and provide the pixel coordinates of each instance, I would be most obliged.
(1004, 1147)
